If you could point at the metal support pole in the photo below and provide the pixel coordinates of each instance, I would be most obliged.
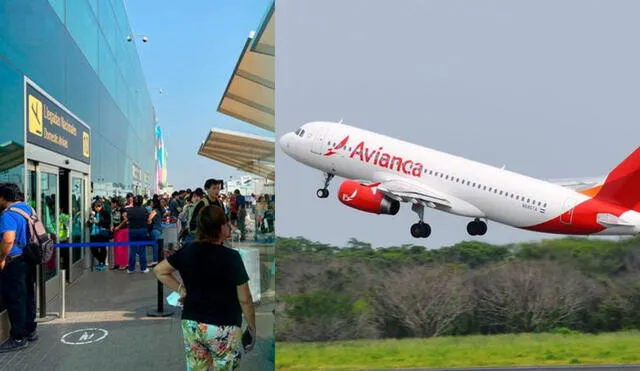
(160, 310)
(43, 295)
(41, 299)
(63, 296)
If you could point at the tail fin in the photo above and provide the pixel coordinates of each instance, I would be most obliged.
(622, 185)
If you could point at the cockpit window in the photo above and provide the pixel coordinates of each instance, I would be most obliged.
(302, 133)
(297, 131)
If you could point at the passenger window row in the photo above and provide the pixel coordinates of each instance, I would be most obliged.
(483, 187)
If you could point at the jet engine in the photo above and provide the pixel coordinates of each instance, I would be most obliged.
(366, 198)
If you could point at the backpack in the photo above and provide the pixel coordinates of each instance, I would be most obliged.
(39, 248)
(205, 202)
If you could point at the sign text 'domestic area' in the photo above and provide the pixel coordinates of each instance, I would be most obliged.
(50, 126)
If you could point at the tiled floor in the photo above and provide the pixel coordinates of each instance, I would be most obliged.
(116, 304)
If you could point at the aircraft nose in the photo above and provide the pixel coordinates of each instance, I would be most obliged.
(286, 142)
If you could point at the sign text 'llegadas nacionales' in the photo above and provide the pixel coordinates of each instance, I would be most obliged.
(50, 126)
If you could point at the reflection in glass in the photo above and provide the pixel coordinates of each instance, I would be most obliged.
(12, 163)
(48, 207)
(77, 209)
(32, 189)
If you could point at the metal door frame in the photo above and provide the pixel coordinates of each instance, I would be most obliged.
(76, 269)
(568, 207)
(319, 136)
(52, 286)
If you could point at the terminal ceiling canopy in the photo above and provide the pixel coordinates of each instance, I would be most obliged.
(250, 93)
(250, 153)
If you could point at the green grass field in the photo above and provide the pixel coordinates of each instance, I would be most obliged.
(464, 351)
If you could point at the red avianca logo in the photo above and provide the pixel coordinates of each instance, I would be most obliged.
(334, 150)
(379, 157)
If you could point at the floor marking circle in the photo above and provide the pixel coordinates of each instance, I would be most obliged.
(88, 336)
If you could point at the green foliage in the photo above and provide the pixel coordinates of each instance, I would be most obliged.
(318, 304)
(356, 284)
(564, 331)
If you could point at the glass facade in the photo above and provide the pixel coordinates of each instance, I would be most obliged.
(77, 51)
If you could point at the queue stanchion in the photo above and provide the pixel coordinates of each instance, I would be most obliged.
(160, 310)
(41, 286)
(42, 292)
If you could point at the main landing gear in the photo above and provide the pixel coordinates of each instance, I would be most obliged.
(477, 227)
(420, 229)
(324, 192)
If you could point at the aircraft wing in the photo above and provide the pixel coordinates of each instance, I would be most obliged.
(406, 190)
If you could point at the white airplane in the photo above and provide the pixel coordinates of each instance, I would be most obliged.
(381, 172)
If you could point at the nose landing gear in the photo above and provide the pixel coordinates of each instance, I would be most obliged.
(324, 192)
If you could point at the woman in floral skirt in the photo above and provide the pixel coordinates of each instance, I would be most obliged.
(215, 293)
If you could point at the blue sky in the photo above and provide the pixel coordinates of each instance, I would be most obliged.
(192, 50)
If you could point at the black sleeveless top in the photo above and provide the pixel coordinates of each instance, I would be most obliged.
(137, 217)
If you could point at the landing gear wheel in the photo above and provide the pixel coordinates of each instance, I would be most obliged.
(420, 230)
(471, 228)
(322, 193)
(482, 226)
(477, 228)
(426, 230)
(416, 230)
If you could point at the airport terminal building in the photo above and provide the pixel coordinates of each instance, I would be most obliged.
(76, 117)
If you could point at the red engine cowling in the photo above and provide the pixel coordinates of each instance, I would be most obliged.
(366, 198)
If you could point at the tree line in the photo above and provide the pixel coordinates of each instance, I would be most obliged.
(327, 292)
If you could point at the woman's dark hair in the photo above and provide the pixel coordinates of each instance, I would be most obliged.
(210, 220)
(198, 192)
(97, 204)
(155, 203)
(138, 200)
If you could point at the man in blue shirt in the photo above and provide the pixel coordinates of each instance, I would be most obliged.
(17, 276)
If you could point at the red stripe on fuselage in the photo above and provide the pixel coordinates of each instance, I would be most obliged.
(583, 221)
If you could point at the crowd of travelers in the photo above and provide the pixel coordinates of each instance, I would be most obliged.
(140, 218)
(206, 218)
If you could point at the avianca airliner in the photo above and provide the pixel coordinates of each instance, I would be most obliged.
(382, 172)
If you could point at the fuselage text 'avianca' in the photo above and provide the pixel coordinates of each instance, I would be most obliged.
(381, 172)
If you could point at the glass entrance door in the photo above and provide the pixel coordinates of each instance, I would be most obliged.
(42, 194)
(77, 199)
(48, 209)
